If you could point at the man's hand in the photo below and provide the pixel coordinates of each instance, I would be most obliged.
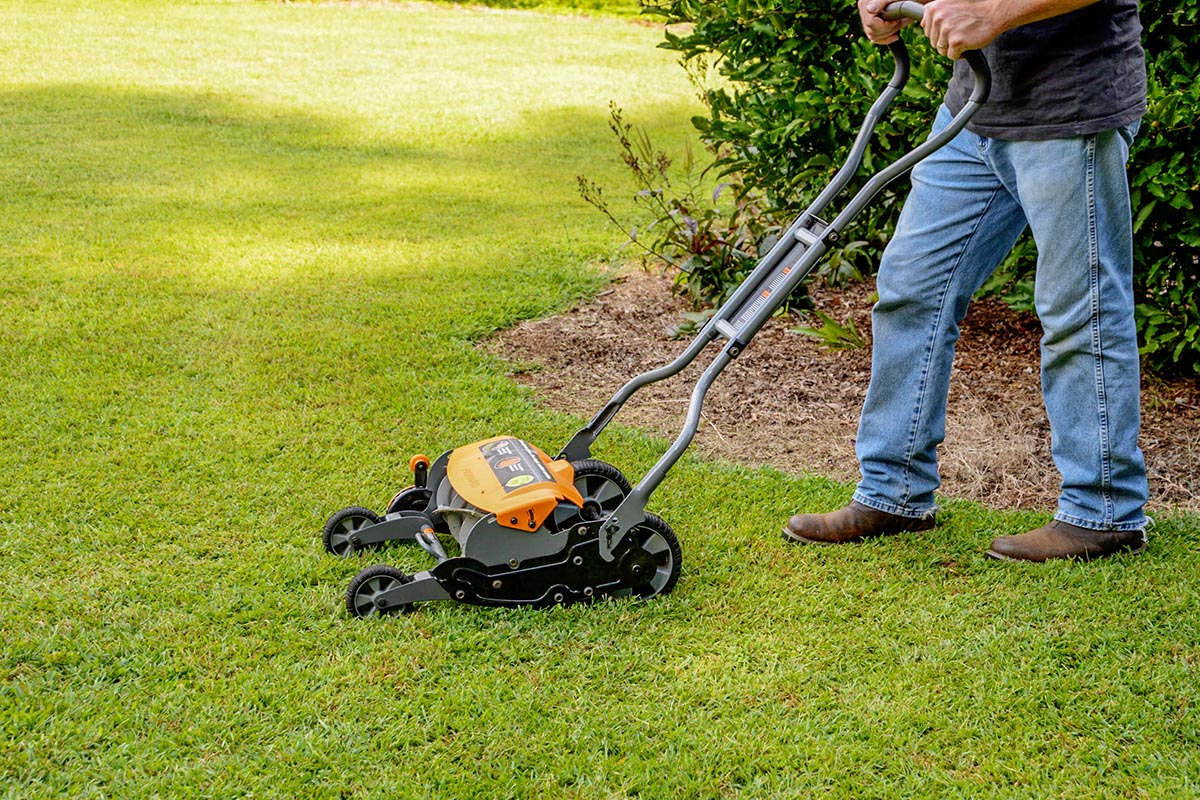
(878, 29)
(953, 26)
(956, 26)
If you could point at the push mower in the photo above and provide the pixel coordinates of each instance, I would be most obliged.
(532, 530)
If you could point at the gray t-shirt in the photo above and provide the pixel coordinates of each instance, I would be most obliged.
(1072, 75)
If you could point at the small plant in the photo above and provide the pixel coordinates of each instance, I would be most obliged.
(710, 237)
(690, 323)
(834, 335)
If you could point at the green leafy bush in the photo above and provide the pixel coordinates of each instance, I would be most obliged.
(794, 83)
(1165, 177)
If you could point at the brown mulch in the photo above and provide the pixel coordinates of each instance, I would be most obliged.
(789, 403)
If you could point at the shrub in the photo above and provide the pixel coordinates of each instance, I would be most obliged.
(795, 82)
(1164, 178)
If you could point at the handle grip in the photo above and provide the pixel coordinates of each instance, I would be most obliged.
(905, 8)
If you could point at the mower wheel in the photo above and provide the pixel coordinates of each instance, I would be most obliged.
(364, 595)
(341, 528)
(602, 486)
(655, 537)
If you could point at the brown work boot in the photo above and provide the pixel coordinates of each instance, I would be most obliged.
(853, 523)
(1063, 540)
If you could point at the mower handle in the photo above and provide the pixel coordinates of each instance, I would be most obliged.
(910, 9)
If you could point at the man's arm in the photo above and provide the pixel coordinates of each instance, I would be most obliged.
(956, 26)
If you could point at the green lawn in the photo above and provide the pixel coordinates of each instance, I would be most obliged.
(246, 251)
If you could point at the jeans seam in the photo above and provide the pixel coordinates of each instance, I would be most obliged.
(1097, 338)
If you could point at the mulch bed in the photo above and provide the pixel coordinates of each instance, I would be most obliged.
(788, 402)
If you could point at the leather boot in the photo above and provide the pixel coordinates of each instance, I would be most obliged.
(853, 523)
(1063, 540)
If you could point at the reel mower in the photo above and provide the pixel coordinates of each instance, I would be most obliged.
(532, 530)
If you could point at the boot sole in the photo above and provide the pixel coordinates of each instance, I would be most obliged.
(793, 538)
(992, 554)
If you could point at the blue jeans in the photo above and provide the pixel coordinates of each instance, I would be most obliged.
(969, 203)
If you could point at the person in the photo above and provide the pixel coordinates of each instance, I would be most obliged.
(1046, 151)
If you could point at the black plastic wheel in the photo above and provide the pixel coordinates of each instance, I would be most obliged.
(341, 527)
(364, 595)
(656, 538)
(602, 486)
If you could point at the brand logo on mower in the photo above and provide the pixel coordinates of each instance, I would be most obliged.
(514, 463)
